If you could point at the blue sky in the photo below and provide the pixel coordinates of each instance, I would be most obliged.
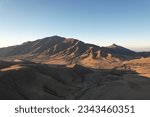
(102, 22)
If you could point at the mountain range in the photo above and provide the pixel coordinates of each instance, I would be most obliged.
(60, 50)
(66, 68)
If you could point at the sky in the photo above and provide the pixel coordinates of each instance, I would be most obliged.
(101, 22)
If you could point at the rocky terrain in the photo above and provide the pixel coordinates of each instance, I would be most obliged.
(60, 50)
(60, 68)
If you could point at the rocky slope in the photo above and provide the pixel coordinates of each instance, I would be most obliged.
(59, 50)
(28, 80)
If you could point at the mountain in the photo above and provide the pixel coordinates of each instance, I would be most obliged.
(66, 68)
(144, 54)
(60, 50)
(116, 49)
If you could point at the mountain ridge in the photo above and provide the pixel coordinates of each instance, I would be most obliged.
(67, 51)
(67, 68)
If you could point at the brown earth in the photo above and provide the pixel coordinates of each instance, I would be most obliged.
(27, 80)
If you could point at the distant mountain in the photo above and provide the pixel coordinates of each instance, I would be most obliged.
(144, 54)
(121, 51)
(60, 50)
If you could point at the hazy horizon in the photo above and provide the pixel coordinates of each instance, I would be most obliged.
(100, 22)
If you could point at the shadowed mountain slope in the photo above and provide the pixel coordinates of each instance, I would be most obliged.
(121, 51)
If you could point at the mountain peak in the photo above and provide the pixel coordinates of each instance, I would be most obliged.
(113, 46)
(54, 37)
